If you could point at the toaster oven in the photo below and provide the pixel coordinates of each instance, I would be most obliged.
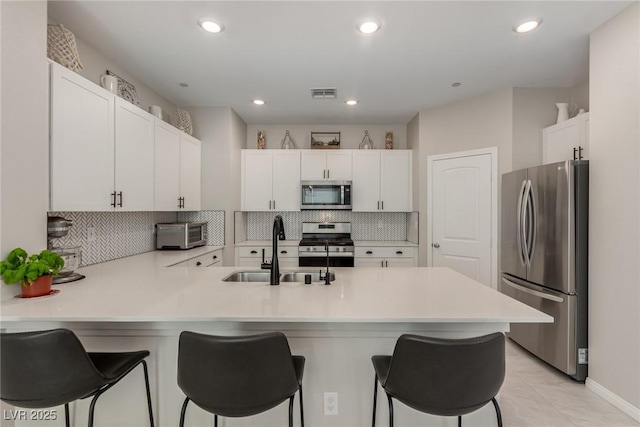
(181, 235)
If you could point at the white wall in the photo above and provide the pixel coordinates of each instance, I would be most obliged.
(95, 64)
(350, 135)
(223, 134)
(614, 223)
(24, 129)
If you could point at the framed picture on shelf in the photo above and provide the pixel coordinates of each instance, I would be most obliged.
(325, 139)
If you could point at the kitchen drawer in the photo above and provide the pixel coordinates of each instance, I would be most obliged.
(256, 252)
(384, 252)
(255, 263)
(206, 260)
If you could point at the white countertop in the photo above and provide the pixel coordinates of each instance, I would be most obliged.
(403, 243)
(141, 289)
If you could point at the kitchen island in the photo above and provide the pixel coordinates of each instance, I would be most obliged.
(139, 302)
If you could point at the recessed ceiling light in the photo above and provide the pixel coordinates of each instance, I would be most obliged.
(368, 26)
(351, 101)
(525, 27)
(210, 25)
(258, 101)
(456, 84)
(183, 84)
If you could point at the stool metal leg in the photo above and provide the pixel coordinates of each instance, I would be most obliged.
(146, 383)
(459, 421)
(301, 408)
(215, 420)
(390, 410)
(498, 413)
(183, 411)
(291, 410)
(375, 399)
(66, 415)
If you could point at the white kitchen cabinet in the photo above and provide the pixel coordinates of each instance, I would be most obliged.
(210, 259)
(82, 143)
(270, 180)
(318, 165)
(382, 181)
(134, 164)
(385, 256)
(251, 256)
(568, 140)
(177, 169)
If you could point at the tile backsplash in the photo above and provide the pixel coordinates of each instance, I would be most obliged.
(121, 234)
(364, 225)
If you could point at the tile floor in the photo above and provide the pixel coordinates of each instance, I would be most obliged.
(536, 395)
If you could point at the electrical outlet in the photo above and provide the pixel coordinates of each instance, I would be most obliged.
(91, 234)
(331, 403)
(380, 224)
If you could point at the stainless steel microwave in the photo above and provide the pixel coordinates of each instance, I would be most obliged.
(325, 195)
(181, 235)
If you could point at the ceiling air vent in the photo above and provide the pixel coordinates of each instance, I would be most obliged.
(324, 93)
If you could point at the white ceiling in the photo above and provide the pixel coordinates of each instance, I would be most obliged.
(278, 51)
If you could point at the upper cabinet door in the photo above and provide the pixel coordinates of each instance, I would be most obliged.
(134, 160)
(256, 174)
(167, 166)
(82, 143)
(365, 192)
(339, 165)
(190, 172)
(286, 180)
(568, 140)
(313, 165)
(395, 181)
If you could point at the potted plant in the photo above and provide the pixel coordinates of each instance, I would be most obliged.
(35, 273)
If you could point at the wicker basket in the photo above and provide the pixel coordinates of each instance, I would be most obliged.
(182, 121)
(61, 47)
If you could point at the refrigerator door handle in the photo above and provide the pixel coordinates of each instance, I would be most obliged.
(533, 292)
(520, 225)
(533, 224)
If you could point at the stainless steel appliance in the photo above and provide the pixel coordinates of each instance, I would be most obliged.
(322, 239)
(72, 255)
(325, 195)
(545, 213)
(181, 235)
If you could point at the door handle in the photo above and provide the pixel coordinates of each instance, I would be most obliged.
(435, 245)
(520, 224)
(532, 291)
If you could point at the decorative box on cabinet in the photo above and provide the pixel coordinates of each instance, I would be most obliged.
(385, 256)
(251, 256)
(270, 180)
(382, 181)
(568, 140)
(318, 165)
(177, 169)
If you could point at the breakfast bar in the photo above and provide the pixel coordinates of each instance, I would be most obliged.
(142, 302)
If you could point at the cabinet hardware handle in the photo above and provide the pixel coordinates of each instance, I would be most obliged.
(215, 256)
(381, 263)
(369, 252)
(113, 199)
(254, 252)
(574, 153)
(398, 252)
(324, 173)
(436, 245)
(198, 263)
(283, 252)
(269, 204)
(120, 195)
(274, 204)
(382, 203)
(580, 153)
(328, 173)
(378, 204)
(386, 263)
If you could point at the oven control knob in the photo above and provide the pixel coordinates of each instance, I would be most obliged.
(314, 248)
(308, 249)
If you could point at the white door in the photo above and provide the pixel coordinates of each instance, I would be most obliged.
(461, 210)
(366, 181)
(134, 164)
(190, 172)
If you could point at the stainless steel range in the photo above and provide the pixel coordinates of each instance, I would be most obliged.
(326, 239)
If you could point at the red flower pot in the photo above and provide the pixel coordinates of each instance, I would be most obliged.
(41, 287)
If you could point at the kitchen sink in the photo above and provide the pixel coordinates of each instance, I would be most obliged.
(265, 276)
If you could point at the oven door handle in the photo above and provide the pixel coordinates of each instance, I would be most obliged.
(324, 255)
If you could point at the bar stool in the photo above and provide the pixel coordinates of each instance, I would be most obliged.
(238, 376)
(446, 377)
(49, 368)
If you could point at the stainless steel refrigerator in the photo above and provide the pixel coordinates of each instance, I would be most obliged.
(545, 215)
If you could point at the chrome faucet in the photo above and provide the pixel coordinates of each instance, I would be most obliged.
(278, 234)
